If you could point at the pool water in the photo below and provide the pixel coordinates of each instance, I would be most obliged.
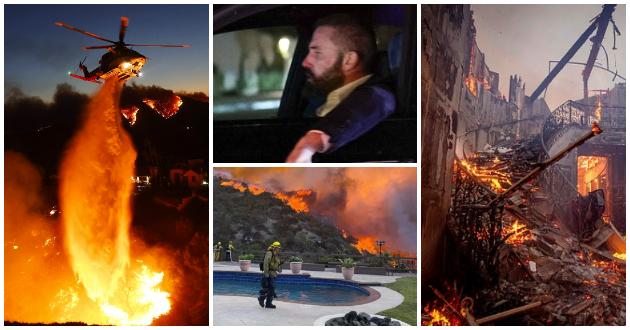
(317, 293)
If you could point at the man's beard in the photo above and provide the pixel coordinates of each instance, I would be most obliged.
(330, 80)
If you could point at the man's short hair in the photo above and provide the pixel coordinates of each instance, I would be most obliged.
(351, 34)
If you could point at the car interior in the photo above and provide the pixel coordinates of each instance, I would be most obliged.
(269, 136)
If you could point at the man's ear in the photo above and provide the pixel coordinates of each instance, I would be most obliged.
(351, 62)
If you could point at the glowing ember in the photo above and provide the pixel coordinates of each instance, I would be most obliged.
(343, 232)
(130, 114)
(440, 313)
(494, 177)
(520, 234)
(437, 318)
(97, 216)
(620, 255)
(167, 107)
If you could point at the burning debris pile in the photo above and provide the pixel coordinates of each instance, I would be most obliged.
(520, 265)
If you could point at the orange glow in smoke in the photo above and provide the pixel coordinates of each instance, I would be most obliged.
(95, 199)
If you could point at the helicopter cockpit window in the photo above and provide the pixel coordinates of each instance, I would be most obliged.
(249, 71)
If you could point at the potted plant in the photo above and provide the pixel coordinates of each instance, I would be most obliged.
(296, 264)
(347, 268)
(245, 261)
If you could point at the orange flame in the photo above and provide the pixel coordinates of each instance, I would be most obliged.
(167, 107)
(519, 235)
(366, 243)
(296, 200)
(130, 114)
(598, 111)
(494, 177)
(97, 217)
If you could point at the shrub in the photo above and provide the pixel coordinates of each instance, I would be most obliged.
(347, 263)
(295, 259)
(246, 257)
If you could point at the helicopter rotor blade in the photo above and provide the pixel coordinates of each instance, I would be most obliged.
(96, 47)
(84, 32)
(124, 21)
(157, 45)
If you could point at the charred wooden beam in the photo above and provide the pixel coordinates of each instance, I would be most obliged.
(533, 173)
(505, 314)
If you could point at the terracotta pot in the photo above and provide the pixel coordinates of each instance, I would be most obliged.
(296, 266)
(244, 264)
(347, 272)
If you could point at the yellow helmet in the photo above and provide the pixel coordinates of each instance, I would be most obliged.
(219, 243)
(276, 245)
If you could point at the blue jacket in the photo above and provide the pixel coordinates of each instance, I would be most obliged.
(364, 108)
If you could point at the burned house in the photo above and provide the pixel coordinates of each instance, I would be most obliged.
(523, 208)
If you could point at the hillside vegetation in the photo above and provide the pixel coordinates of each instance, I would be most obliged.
(267, 219)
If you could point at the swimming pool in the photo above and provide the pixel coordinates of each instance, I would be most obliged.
(295, 288)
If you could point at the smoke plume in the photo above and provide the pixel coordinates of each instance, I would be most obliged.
(376, 202)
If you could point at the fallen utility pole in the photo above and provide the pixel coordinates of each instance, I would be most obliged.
(540, 167)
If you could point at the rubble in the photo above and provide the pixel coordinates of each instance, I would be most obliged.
(519, 264)
(361, 319)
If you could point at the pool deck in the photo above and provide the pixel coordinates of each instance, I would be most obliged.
(239, 310)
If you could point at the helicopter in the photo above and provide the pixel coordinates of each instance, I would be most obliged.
(119, 62)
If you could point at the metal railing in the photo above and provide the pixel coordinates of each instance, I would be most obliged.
(313, 257)
(569, 116)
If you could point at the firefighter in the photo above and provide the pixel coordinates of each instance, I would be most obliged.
(217, 251)
(271, 268)
(228, 252)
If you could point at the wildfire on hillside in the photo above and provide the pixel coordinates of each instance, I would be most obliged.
(296, 200)
(165, 107)
(130, 114)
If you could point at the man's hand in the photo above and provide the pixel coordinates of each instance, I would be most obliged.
(266, 275)
(309, 144)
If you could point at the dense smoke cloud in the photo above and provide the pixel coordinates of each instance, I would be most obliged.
(377, 202)
(134, 94)
(28, 113)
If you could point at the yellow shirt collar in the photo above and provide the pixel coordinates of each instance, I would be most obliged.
(335, 97)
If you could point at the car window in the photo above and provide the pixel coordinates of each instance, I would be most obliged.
(250, 68)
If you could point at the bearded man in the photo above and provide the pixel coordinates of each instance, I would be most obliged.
(339, 65)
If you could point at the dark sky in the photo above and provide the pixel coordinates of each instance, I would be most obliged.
(39, 54)
(522, 39)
